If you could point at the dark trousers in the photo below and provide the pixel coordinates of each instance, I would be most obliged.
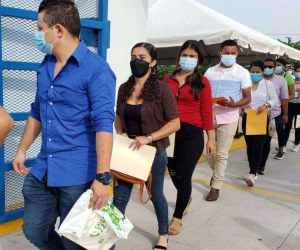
(255, 145)
(294, 110)
(267, 144)
(43, 205)
(189, 145)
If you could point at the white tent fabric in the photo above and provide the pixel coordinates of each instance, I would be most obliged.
(172, 22)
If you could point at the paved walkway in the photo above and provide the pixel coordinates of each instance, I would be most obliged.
(264, 217)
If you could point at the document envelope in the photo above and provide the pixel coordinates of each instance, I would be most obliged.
(256, 124)
(133, 163)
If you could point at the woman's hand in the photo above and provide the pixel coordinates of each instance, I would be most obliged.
(139, 142)
(247, 107)
(261, 109)
(210, 148)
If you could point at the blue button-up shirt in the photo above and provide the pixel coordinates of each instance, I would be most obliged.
(74, 105)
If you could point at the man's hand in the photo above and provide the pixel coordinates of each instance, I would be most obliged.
(284, 119)
(100, 196)
(18, 163)
(139, 142)
(227, 103)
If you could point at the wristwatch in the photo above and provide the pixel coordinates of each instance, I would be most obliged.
(149, 137)
(105, 178)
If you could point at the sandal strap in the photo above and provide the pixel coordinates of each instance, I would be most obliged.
(175, 228)
(160, 247)
(177, 220)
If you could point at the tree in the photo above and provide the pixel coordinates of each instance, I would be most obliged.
(295, 45)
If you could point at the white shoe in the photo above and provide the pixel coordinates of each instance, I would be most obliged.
(295, 148)
(248, 175)
(284, 149)
(250, 180)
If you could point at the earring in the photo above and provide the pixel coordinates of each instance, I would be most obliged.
(153, 71)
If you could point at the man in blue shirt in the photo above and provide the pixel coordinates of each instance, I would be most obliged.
(74, 110)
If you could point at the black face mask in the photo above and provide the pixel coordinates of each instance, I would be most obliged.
(139, 67)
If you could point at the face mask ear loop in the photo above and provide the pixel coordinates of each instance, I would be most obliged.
(55, 41)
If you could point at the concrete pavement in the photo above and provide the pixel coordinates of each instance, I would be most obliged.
(264, 217)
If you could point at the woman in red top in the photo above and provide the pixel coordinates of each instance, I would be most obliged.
(192, 92)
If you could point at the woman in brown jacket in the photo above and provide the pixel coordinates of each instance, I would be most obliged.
(147, 113)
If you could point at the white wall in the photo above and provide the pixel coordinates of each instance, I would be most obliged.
(128, 26)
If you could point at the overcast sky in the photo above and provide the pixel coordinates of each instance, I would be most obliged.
(265, 16)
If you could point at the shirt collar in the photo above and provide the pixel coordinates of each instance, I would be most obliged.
(229, 69)
(78, 54)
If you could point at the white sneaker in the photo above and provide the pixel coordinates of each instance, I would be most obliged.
(295, 148)
(250, 180)
(255, 178)
(284, 149)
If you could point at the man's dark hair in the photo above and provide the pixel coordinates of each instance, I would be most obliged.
(62, 12)
(229, 43)
(258, 63)
(270, 59)
(282, 61)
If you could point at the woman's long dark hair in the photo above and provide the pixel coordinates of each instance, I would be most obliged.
(195, 79)
(150, 91)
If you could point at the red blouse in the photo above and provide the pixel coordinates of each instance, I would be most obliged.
(194, 112)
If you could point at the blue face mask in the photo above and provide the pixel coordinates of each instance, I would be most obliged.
(255, 77)
(40, 42)
(188, 64)
(290, 72)
(268, 71)
(297, 75)
(278, 70)
(228, 60)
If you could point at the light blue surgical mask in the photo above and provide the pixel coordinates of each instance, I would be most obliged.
(268, 71)
(278, 70)
(255, 77)
(188, 64)
(40, 42)
(290, 72)
(228, 60)
(297, 75)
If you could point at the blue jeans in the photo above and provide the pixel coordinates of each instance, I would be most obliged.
(42, 206)
(122, 192)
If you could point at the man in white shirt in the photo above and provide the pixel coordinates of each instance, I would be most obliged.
(228, 80)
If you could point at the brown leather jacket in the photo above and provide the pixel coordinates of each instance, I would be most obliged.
(154, 114)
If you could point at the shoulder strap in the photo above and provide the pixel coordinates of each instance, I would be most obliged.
(168, 78)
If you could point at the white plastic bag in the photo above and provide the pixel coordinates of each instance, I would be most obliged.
(98, 229)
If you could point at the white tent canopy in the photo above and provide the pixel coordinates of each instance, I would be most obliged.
(172, 22)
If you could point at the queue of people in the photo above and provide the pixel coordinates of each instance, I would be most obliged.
(74, 111)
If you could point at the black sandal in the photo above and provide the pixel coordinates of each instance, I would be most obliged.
(161, 247)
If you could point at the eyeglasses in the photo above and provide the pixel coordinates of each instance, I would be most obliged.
(270, 67)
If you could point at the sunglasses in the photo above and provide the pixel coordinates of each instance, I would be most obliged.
(270, 67)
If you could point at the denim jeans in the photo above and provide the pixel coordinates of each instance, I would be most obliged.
(43, 205)
(122, 193)
(267, 144)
